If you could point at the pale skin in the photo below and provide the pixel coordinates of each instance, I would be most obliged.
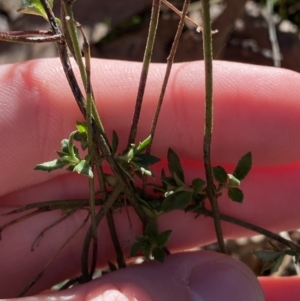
(257, 109)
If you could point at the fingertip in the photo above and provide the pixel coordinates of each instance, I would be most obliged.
(224, 279)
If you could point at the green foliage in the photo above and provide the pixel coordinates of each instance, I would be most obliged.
(176, 200)
(69, 156)
(173, 193)
(220, 174)
(133, 161)
(243, 167)
(273, 258)
(174, 165)
(151, 244)
(34, 7)
(231, 182)
(235, 194)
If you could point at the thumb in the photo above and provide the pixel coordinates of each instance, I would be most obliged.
(205, 276)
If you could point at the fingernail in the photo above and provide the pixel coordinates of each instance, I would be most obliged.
(224, 280)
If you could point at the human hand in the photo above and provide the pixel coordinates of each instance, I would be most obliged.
(256, 109)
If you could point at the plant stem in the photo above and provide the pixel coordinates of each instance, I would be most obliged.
(43, 232)
(115, 240)
(252, 227)
(86, 276)
(29, 37)
(40, 274)
(89, 104)
(74, 46)
(170, 61)
(145, 69)
(179, 13)
(207, 49)
(100, 138)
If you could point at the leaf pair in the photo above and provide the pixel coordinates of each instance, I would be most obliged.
(232, 181)
(152, 244)
(179, 195)
(136, 161)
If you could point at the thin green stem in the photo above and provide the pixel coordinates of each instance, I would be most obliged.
(170, 61)
(145, 69)
(90, 141)
(207, 48)
(252, 227)
(70, 33)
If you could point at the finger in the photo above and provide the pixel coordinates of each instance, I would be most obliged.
(187, 276)
(280, 288)
(68, 187)
(256, 109)
(188, 232)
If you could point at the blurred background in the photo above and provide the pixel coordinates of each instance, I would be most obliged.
(118, 30)
(255, 32)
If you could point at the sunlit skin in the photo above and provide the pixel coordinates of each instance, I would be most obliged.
(257, 109)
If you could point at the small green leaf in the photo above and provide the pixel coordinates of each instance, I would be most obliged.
(233, 181)
(267, 255)
(243, 167)
(51, 165)
(84, 168)
(145, 240)
(136, 248)
(169, 181)
(175, 165)
(144, 144)
(114, 143)
(220, 174)
(148, 210)
(179, 183)
(62, 155)
(34, 7)
(235, 194)
(163, 238)
(82, 137)
(176, 200)
(198, 185)
(65, 146)
(158, 254)
(81, 127)
(145, 159)
(277, 264)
